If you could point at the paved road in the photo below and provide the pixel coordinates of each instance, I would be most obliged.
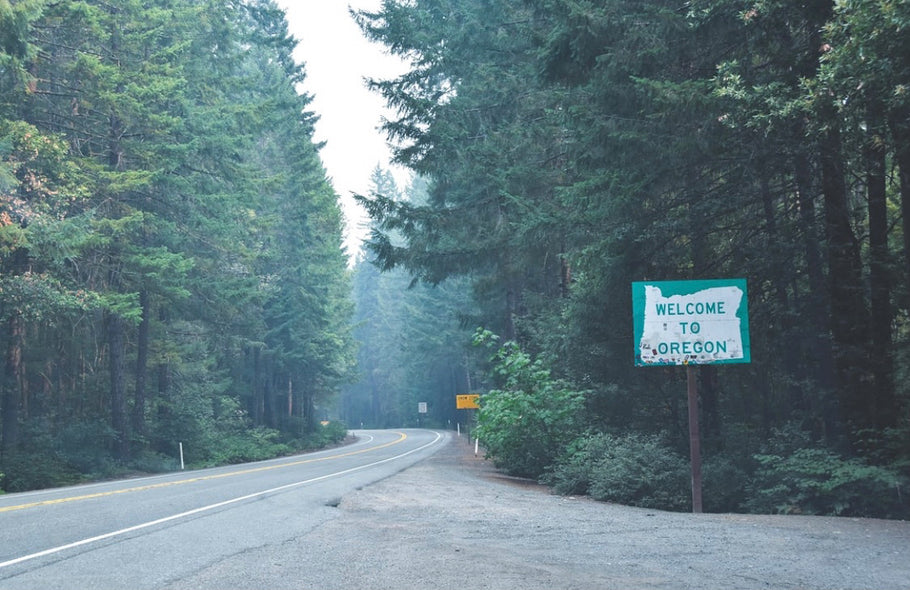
(156, 532)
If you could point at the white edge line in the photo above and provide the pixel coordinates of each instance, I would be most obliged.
(152, 523)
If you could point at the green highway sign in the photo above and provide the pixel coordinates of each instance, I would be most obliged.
(690, 322)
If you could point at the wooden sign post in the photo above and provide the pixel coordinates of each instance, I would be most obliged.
(691, 323)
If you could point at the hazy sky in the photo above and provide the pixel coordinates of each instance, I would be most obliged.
(337, 58)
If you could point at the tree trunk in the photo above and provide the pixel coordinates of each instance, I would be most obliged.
(900, 131)
(849, 316)
(269, 395)
(793, 370)
(375, 399)
(258, 397)
(142, 353)
(309, 412)
(883, 409)
(511, 312)
(115, 334)
(9, 403)
(115, 324)
(163, 377)
(290, 398)
(819, 338)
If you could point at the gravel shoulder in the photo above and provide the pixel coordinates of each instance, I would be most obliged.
(453, 522)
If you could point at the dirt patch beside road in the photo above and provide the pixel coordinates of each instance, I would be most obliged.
(453, 522)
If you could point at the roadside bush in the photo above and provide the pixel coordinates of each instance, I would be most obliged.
(817, 481)
(724, 484)
(264, 443)
(39, 463)
(526, 424)
(249, 445)
(571, 475)
(642, 472)
(325, 435)
(85, 446)
(148, 461)
(34, 471)
(637, 470)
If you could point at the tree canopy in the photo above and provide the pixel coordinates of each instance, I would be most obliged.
(170, 246)
(573, 147)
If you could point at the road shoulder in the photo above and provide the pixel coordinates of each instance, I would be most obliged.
(452, 522)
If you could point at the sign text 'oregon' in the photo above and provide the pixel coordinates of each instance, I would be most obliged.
(691, 322)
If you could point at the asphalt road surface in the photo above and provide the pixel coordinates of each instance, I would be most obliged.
(159, 531)
(416, 510)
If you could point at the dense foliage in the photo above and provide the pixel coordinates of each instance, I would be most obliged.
(633, 469)
(572, 147)
(170, 249)
(527, 421)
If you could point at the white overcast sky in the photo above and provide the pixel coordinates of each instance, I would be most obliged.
(337, 59)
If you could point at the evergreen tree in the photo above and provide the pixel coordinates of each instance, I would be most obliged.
(575, 147)
(163, 191)
(413, 343)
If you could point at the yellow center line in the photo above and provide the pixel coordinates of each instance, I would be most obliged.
(401, 437)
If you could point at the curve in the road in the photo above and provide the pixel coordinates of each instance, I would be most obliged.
(185, 514)
(167, 484)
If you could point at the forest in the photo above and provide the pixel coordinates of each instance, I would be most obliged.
(572, 147)
(171, 270)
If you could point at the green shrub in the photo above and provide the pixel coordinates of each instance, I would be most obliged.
(86, 446)
(40, 462)
(35, 471)
(638, 470)
(643, 472)
(571, 475)
(147, 461)
(817, 481)
(724, 485)
(526, 424)
(249, 445)
(325, 435)
(302, 435)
